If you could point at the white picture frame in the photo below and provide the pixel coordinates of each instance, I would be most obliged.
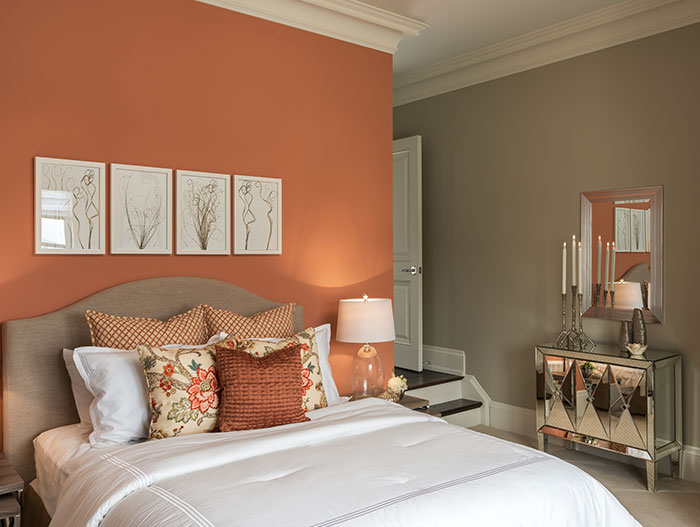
(257, 224)
(202, 213)
(637, 231)
(141, 214)
(647, 229)
(69, 206)
(622, 230)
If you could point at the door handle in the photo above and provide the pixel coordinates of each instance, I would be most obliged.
(411, 270)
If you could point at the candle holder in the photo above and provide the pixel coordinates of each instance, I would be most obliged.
(597, 295)
(605, 298)
(574, 338)
(612, 299)
(584, 340)
(562, 339)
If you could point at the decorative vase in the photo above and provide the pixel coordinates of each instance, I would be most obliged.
(639, 328)
(625, 335)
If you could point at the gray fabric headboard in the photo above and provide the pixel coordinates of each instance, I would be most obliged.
(36, 389)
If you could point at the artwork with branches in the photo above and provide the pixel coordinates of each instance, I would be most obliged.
(70, 203)
(258, 215)
(203, 213)
(141, 213)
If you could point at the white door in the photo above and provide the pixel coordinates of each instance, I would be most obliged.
(408, 254)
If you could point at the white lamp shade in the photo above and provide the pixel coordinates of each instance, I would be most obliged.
(365, 320)
(628, 295)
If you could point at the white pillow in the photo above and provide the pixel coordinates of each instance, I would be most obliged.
(120, 409)
(114, 391)
(323, 341)
(81, 395)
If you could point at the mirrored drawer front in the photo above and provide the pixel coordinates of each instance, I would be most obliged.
(594, 399)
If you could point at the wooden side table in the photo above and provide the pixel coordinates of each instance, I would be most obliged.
(11, 487)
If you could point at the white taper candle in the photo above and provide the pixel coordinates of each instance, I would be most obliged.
(612, 276)
(607, 266)
(573, 260)
(580, 269)
(563, 269)
(600, 250)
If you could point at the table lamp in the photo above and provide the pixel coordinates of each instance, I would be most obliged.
(366, 320)
(628, 295)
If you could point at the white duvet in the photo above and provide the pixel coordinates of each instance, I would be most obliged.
(367, 463)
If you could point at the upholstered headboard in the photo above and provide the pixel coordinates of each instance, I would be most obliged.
(36, 389)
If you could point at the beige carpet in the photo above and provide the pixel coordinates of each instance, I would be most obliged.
(675, 504)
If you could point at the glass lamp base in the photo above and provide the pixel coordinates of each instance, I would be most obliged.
(367, 373)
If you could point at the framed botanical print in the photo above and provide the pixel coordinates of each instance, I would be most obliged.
(203, 213)
(141, 210)
(257, 215)
(69, 206)
(622, 229)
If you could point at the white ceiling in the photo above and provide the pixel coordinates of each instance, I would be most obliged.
(462, 26)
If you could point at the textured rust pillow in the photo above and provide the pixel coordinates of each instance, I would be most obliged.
(259, 392)
(276, 323)
(112, 331)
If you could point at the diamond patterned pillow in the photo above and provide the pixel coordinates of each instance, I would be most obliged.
(275, 323)
(183, 388)
(260, 392)
(313, 393)
(112, 331)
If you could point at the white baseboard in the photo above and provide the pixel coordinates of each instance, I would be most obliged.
(691, 463)
(444, 360)
(522, 421)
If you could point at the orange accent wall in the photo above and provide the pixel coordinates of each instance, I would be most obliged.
(604, 226)
(180, 84)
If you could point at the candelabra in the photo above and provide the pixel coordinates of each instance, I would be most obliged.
(597, 295)
(573, 338)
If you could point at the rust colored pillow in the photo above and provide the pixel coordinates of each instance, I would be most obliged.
(276, 323)
(112, 331)
(259, 392)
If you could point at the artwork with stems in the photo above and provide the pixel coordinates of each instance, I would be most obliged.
(257, 215)
(622, 229)
(637, 231)
(141, 211)
(69, 206)
(203, 211)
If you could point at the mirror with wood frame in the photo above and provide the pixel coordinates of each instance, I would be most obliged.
(622, 238)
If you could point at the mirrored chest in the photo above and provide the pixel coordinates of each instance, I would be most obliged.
(611, 400)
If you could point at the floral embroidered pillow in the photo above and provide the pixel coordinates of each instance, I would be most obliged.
(183, 387)
(313, 393)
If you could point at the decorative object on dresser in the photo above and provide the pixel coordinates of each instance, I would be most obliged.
(203, 213)
(11, 487)
(366, 320)
(627, 404)
(573, 338)
(141, 210)
(625, 337)
(639, 327)
(69, 206)
(395, 389)
(257, 224)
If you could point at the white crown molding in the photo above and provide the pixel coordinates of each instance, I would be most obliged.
(623, 22)
(347, 20)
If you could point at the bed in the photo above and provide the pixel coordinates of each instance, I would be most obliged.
(368, 462)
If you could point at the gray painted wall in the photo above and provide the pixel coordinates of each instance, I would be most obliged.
(503, 165)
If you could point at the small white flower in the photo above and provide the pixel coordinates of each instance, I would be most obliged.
(397, 385)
